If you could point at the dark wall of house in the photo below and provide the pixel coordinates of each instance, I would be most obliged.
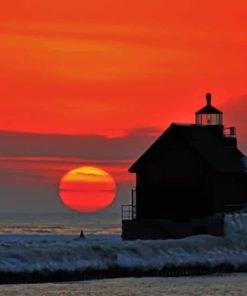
(176, 183)
(173, 185)
(229, 190)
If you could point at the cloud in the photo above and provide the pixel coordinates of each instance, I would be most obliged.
(128, 147)
(31, 165)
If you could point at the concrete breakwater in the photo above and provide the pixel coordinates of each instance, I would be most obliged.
(46, 276)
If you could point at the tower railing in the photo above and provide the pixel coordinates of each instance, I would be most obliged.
(230, 132)
(234, 208)
(129, 211)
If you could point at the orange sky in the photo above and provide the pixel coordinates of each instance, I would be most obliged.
(109, 68)
(103, 66)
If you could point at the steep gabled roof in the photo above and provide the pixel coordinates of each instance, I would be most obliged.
(211, 146)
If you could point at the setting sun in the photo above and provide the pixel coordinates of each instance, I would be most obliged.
(87, 189)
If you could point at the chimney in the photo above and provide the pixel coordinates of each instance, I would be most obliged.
(208, 98)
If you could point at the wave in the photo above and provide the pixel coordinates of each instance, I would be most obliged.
(27, 254)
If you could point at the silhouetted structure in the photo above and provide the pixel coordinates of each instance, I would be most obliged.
(187, 180)
(82, 234)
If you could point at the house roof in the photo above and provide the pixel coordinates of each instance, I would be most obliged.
(205, 140)
(209, 109)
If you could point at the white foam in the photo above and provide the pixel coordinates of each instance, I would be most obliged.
(30, 253)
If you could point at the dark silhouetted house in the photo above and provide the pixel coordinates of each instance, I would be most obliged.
(187, 180)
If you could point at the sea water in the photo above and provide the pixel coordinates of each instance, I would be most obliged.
(60, 223)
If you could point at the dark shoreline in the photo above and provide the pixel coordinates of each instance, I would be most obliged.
(47, 276)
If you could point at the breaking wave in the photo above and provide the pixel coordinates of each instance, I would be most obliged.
(52, 253)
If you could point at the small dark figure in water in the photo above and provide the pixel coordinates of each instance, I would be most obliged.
(82, 234)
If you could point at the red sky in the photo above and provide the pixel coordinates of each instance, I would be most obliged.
(111, 68)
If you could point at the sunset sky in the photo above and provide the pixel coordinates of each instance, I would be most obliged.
(94, 82)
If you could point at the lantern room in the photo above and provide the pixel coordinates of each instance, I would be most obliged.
(209, 115)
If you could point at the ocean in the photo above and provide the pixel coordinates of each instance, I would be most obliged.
(60, 223)
(49, 244)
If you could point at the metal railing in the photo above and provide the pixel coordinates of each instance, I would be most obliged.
(230, 132)
(234, 208)
(128, 212)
